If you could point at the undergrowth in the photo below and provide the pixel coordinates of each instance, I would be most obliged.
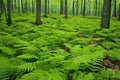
(59, 49)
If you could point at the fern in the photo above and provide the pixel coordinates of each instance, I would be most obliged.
(86, 61)
(25, 47)
(83, 76)
(7, 71)
(117, 75)
(7, 51)
(27, 67)
(28, 57)
(105, 74)
(114, 54)
(43, 75)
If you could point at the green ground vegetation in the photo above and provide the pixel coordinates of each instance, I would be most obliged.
(59, 49)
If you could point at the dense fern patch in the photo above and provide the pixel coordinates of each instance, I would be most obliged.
(59, 49)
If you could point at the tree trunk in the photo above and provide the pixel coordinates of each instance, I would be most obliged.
(26, 6)
(89, 7)
(61, 6)
(32, 6)
(46, 8)
(1, 8)
(66, 8)
(114, 10)
(38, 12)
(119, 13)
(22, 5)
(99, 8)
(105, 21)
(84, 8)
(81, 7)
(18, 5)
(96, 7)
(15, 5)
(73, 7)
(77, 10)
(9, 21)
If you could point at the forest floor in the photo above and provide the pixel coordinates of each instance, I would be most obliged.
(60, 49)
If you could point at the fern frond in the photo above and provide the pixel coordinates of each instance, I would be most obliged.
(44, 75)
(26, 67)
(83, 76)
(28, 57)
(6, 51)
(86, 61)
(7, 71)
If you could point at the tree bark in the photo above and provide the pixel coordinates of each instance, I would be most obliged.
(119, 13)
(96, 7)
(84, 8)
(22, 5)
(9, 21)
(15, 5)
(61, 6)
(32, 6)
(46, 8)
(18, 5)
(99, 8)
(73, 7)
(1, 8)
(114, 10)
(89, 13)
(81, 7)
(38, 12)
(66, 8)
(77, 9)
(105, 21)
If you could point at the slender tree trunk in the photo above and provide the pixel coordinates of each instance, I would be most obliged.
(61, 6)
(99, 9)
(32, 6)
(114, 10)
(26, 6)
(1, 8)
(9, 21)
(22, 5)
(105, 21)
(46, 8)
(89, 7)
(29, 7)
(15, 4)
(4, 10)
(12, 5)
(38, 12)
(119, 13)
(81, 7)
(73, 7)
(84, 8)
(18, 5)
(66, 8)
(96, 7)
(77, 10)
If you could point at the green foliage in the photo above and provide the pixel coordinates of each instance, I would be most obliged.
(114, 54)
(83, 76)
(26, 67)
(105, 74)
(7, 71)
(117, 76)
(59, 49)
(28, 57)
(38, 74)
